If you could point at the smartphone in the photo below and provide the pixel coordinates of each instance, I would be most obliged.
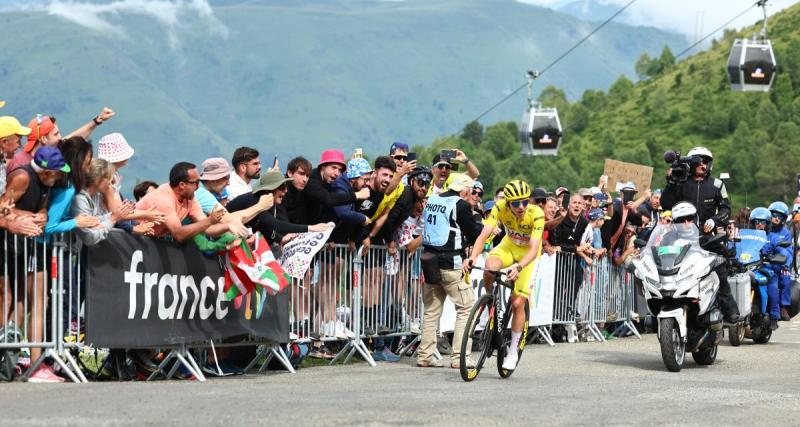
(627, 196)
(448, 155)
(411, 157)
(565, 201)
(358, 153)
(275, 161)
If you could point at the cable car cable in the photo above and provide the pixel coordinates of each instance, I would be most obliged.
(557, 60)
(683, 52)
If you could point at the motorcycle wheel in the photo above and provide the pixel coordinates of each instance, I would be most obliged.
(763, 335)
(736, 334)
(705, 356)
(673, 350)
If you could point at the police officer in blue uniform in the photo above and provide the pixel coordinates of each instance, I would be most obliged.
(777, 234)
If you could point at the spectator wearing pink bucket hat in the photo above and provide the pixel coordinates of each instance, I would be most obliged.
(114, 149)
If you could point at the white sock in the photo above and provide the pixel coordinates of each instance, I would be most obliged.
(515, 336)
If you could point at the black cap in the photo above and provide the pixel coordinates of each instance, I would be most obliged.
(421, 172)
(539, 193)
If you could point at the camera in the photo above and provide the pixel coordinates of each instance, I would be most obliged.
(682, 167)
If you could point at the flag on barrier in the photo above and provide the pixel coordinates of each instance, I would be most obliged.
(245, 269)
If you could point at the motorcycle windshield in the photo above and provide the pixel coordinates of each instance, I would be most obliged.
(748, 248)
(670, 244)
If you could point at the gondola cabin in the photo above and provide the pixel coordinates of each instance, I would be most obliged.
(540, 132)
(751, 65)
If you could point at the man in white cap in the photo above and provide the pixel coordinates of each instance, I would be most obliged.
(448, 225)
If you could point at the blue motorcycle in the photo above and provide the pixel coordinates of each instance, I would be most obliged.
(751, 273)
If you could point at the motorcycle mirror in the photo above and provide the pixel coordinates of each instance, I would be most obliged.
(639, 243)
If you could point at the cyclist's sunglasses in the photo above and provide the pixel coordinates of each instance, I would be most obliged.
(517, 203)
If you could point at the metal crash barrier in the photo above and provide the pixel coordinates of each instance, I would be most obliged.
(346, 295)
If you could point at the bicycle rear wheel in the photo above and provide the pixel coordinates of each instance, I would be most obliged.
(506, 340)
(482, 342)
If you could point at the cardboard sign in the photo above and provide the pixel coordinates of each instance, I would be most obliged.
(622, 172)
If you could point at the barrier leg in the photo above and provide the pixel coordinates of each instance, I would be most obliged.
(272, 351)
(261, 352)
(75, 367)
(402, 350)
(545, 334)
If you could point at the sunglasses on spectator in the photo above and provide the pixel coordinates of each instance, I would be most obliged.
(588, 198)
(400, 157)
(422, 182)
(444, 166)
(540, 201)
(478, 193)
(517, 203)
(193, 182)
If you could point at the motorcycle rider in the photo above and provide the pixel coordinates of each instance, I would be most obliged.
(710, 198)
(777, 234)
(760, 219)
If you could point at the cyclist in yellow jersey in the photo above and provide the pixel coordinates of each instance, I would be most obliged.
(519, 249)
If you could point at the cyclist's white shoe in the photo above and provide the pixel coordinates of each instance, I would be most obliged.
(511, 359)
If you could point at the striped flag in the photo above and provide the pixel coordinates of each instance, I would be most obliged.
(247, 269)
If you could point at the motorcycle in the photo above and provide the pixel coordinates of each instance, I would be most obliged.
(751, 273)
(681, 287)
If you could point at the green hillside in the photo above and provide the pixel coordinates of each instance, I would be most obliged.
(294, 77)
(754, 136)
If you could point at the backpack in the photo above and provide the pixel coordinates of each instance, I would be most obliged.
(9, 356)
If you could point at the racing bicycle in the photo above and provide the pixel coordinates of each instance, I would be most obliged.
(487, 326)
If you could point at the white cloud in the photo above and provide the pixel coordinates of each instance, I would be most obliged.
(682, 15)
(104, 17)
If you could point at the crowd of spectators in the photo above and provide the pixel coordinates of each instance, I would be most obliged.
(53, 184)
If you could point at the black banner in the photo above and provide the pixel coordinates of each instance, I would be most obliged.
(143, 292)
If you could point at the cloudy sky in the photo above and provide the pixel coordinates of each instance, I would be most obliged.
(681, 15)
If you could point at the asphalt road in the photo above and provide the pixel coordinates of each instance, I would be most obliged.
(618, 382)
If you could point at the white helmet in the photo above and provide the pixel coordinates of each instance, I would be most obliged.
(683, 210)
(703, 152)
(700, 151)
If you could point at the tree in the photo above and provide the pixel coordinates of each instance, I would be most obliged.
(473, 132)
(501, 142)
(767, 116)
(554, 97)
(667, 59)
(621, 89)
(642, 66)
(779, 162)
(578, 118)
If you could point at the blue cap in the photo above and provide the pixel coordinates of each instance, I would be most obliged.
(357, 168)
(50, 158)
(398, 146)
(596, 214)
(600, 196)
(488, 205)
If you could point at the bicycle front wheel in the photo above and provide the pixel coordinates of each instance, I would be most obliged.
(480, 328)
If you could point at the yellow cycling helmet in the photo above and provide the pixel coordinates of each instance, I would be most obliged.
(517, 190)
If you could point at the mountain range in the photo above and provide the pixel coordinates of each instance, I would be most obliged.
(192, 80)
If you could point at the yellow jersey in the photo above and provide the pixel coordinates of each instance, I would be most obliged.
(388, 201)
(518, 231)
